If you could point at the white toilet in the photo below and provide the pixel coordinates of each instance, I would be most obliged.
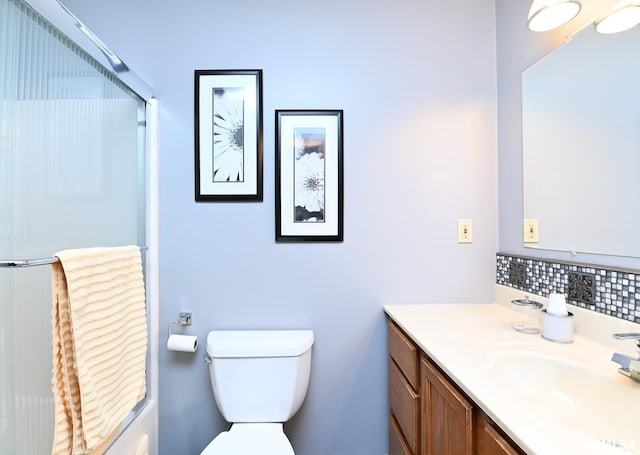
(259, 380)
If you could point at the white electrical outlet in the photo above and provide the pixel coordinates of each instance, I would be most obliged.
(465, 232)
(531, 230)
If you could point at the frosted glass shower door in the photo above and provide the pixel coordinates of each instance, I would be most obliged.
(72, 175)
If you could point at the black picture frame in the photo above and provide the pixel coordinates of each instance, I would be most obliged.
(228, 135)
(309, 175)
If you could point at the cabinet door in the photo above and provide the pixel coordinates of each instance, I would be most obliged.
(489, 441)
(447, 416)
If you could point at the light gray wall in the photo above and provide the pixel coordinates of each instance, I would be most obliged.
(517, 49)
(417, 82)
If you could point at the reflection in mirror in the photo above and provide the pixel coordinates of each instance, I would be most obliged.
(581, 145)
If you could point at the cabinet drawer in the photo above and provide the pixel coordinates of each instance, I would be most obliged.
(404, 403)
(397, 444)
(404, 353)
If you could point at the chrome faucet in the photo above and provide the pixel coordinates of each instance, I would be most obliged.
(628, 366)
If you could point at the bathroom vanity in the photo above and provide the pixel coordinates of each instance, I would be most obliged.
(463, 381)
(429, 414)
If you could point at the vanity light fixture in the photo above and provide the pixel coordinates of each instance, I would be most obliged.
(624, 17)
(549, 14)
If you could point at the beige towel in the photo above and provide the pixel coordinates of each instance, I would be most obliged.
(143, 446)
(99, 345)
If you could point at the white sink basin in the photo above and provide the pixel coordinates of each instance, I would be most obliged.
(583, 397)
(555, 385)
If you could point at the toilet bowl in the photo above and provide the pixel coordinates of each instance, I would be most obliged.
(251, 439)
(259, 380)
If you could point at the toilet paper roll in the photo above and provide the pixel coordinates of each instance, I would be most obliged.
(182, 343)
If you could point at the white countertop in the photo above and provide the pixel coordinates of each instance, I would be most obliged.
(550, 398)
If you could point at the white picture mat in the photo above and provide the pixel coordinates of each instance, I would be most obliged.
(205, 127)
(287, 182)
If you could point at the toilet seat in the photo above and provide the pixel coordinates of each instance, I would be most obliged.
(251, 439)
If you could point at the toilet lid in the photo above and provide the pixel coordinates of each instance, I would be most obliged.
(251, 439)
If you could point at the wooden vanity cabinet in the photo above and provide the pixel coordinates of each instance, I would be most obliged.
(404, 400)
(429, 414)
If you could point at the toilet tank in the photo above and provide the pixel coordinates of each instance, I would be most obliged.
(259, 375)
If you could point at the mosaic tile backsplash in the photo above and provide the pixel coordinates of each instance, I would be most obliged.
(597, 288)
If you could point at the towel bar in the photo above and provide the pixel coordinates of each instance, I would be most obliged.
(10, 263)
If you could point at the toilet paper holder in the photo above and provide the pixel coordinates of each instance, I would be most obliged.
(183, 320)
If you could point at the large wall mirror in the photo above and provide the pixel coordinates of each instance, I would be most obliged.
(581, 145)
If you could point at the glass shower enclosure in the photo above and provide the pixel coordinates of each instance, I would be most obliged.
(72, 175)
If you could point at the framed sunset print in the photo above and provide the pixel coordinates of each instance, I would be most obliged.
(309, 176)
(228, 135)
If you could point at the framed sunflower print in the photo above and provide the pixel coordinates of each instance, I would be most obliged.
(228, 135)
(309, 176)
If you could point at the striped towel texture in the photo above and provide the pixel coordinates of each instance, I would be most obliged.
(99, 345)
(143, 445)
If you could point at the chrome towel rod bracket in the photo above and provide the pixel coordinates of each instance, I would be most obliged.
(16, 263)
